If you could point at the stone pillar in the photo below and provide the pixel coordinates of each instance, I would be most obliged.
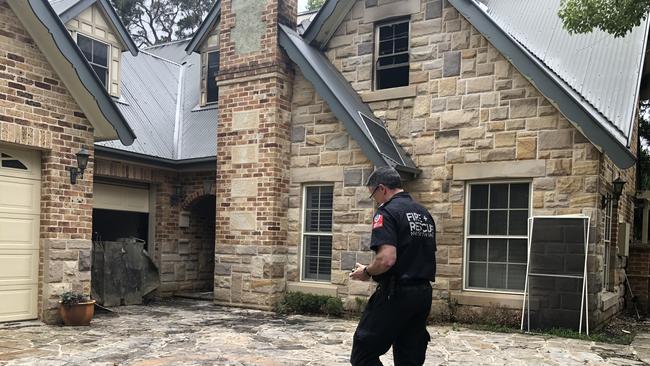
(253, 144)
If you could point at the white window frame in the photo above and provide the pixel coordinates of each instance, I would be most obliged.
(109, 56)
(467, 236)
(301, 250)
(207, 72)
(376, 51)
(607, 241)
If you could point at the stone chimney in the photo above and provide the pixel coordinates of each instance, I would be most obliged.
(252, 153)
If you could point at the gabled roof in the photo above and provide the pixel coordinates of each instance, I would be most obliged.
(205, 28)
(54, 41)
(160, 91)
(358, 119)
(68, 9)
(592, 79)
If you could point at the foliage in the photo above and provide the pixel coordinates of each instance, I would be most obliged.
(153, 22)
(644, 155)
(616, 17)
(72, 298)
(300, 303)
(314, 4)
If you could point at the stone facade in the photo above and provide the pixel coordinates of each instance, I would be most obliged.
(252, 153)
(38, 112)
(465, 104)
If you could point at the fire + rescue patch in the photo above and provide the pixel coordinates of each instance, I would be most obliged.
(378, 221)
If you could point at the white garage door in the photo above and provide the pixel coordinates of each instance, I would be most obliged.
(120, 198)
(20, 192)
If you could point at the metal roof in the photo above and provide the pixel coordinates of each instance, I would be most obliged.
(160, 99)
(55, 42)
(358, 119)
(604, 70)
(68, 9)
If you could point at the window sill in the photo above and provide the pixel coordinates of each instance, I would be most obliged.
(312, 288)
(608, 299)
(510, 301)
(388, 94)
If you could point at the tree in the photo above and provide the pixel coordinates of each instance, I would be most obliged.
(616, 17)
(314, 4)
(153, 22)
(644, 140)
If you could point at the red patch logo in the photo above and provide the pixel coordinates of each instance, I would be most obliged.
(378, 221)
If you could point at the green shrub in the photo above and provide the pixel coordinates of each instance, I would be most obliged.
(301, 303)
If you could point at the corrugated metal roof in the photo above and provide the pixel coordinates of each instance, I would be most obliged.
(61, 6)
(604, 70)
(150, 102)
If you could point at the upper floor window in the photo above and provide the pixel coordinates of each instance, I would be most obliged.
(496, 243)
(392, 54)
(212, 91)
(96, 53)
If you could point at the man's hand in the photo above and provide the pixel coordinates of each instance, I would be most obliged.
(358, 273)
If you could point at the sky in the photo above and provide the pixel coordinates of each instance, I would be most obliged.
(302, 5)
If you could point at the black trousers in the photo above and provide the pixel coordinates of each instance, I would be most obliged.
(398, 320)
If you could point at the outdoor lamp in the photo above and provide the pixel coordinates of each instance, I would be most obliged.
(177, 195)
(82, 163)
(617, 187)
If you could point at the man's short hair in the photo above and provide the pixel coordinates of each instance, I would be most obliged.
(385, 175)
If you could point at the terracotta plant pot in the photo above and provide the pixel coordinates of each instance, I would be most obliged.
(77, 314)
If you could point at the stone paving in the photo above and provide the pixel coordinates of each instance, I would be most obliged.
(189, 332)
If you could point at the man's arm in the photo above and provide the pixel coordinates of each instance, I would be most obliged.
(383, 261)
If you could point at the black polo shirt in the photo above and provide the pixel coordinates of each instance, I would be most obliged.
(409, 227)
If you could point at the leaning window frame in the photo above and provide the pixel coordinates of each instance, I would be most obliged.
(466, 235)
(375, 56)
(109, 56)
(301, 249)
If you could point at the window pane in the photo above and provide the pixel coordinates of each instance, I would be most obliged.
(385, 33)
(519, 195)
(401, 44)
(498, 249)
(516, 277)
(101, 72)
(402, 59)
(476, 276)
(518, 222)
(100, 53)
(86, 46)
(496, 276)
(478, 222)
(498, 222)
(311, 220)
(311, 245)
(401, 29)
(311, 268)
(517, 251)
(327, 195)
(386, 61)
(325, 248)
(312, 197)
(213, 69)
(477, 250)
(386, 47)
(14, 164)
(324, 268)
(479, 194)
(325, 221)
(498, 195)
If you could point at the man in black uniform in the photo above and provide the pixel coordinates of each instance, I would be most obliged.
(404, 240)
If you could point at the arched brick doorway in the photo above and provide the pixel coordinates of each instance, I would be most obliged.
(196, 246)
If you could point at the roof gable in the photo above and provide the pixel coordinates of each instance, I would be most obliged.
(53, 39)
(205, 28)
(69, 9)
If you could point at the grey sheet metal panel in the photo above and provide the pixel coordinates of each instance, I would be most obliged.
(68, 9)
(578, 110)
(346, 104)
(323, 25)
(149, 87)
(605, 70)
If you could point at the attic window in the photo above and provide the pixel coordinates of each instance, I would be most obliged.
(392, 54)
(213, 69)
(97, 55)
(6, 161)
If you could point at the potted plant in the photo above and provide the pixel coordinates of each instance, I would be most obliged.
(76, 308)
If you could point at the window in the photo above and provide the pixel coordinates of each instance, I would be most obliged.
(97, 55)
(610, 254)
(317, 233)
(392, 55)
(212, 91)
(7, 161)
(496, 243)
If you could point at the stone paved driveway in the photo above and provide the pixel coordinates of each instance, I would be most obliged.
(186, 332)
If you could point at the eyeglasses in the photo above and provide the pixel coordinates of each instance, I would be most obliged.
(373, 192)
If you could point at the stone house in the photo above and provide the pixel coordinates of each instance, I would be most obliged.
(253, 140)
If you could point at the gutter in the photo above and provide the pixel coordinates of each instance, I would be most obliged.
(178, 119)
(185, 165)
